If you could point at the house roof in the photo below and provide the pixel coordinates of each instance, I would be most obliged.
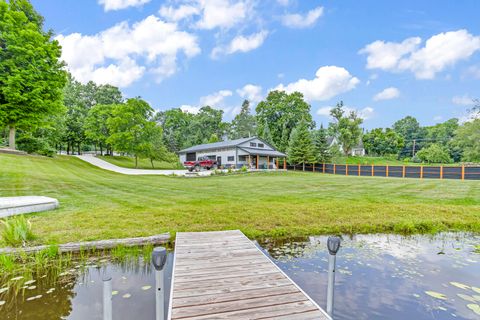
(217, 145)
(263, 152)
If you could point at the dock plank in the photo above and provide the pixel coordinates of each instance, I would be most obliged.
(223, 275)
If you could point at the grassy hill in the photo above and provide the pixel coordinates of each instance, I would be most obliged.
(97, 204)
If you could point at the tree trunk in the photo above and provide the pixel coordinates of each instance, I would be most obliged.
(151, 161)
(303, 165)
(136, 161)
(101, 149)
(78, 148)
(11, 137)
(68, 148)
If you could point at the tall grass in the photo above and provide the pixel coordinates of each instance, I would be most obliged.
(16, 231)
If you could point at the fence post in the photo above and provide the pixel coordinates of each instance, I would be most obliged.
(324, 167)
(441, 172)
(463, 172)
(387, 171)
(359, 169)
(403, 172)
(314, 167)
(373, 170)
(346, 169)
(257, 160)
(421, 172)
(284, 164)
(334, 168)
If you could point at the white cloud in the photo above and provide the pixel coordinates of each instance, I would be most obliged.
(241, 44)
(439, 52)
(109, 5)
(437, 118)
(176, 14)
(251, 92)
(283, 2)
(365, 113)
(387, 94)
(122, 53)
(215, 100)
(222, 13)
(329, 82)
(190, 109)
(464, 100)
(297, 20)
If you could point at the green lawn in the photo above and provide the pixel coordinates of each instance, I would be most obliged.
(129, 162)
(97, 204)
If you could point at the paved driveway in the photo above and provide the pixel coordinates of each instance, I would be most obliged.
(111, 167)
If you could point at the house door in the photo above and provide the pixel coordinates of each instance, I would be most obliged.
(219, 161)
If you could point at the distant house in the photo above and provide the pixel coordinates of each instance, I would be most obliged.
(358, 150)
(252, 152)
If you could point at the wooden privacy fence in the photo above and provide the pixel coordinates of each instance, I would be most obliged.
(419, 172)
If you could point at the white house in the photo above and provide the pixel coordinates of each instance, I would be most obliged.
(358, 150)
(251, 152)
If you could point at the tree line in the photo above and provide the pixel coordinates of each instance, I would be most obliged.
(45, 110)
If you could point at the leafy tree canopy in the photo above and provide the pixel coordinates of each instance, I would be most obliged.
(300, 148)
(346, 127)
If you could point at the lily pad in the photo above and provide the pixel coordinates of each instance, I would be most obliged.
(436, 295)
(476, 289)
(114, 292)
(476, 297)
(32, 287)
(474, 307)
(16, 278)
(466, 297)
(2, 303)
(126, 295)
(416, 295)
(2, 290)
(146, 287)
(460, 285)
(29, 282)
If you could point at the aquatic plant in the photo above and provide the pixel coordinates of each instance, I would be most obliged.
(16, 231)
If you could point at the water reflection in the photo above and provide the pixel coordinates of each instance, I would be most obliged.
(77, 293)
(388, 276)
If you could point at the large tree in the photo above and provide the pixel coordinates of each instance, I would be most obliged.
(300, 148)
(279, 114)
(345, 127)
(320, 146)
(96, 128)
(379, 142)
(412, 133)
(244, 124)
(31, 73)
(176, 128)
(130, 127)
(467, 137)
(206, 123)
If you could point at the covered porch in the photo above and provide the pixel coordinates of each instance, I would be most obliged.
(261, 159)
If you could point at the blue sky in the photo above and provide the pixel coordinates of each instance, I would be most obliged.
(386, 59)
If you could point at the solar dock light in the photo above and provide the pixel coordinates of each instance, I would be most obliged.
(107, 298)
(159, 259)
(333, 245)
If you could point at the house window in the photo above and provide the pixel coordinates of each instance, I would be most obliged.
(261, 145)
(231, 158)
(253, 144)
(242, 158)
(191, 156)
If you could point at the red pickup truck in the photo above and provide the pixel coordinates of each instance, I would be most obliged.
(202, 162)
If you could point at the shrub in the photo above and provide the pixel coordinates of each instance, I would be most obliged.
(434, 153)
(243, 169)
(31, 144)
(17, 231)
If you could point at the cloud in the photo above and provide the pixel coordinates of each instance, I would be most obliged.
(189, 109)
(439, 52)
(215, 100)
(463, 100)
(365, 113)
(387, 94)
(473, 71)
(329, 82)
(122, 54)
(283, 2)
(176, 14)
(251, 92)
(241, 44)
(302, 21)
(109, 5)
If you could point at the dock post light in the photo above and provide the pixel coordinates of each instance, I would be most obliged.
(159, 259)
(107, 298)
(333, 245)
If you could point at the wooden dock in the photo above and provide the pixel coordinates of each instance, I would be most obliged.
(223, 275)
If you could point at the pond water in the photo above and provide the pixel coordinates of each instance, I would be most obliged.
(378, 277)
(389, 276)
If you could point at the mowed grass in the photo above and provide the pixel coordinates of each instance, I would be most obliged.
(97, 204)
(129, 162)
